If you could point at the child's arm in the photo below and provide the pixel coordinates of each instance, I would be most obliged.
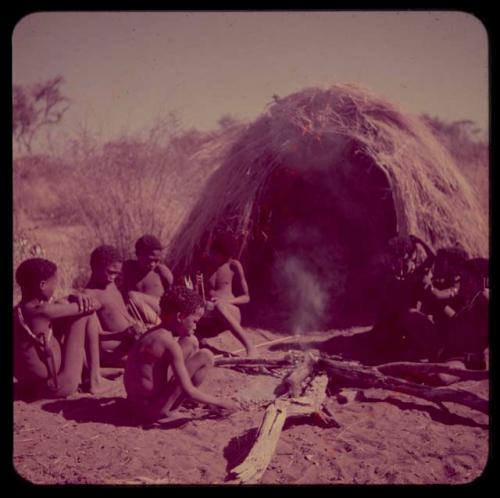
(134, 332)
(241, 280)
(181, 373)
(167, 277)
(52, 311)
(443, 294)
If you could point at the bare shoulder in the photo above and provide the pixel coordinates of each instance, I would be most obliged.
(235, 264)
(159, 334)
(164, 270)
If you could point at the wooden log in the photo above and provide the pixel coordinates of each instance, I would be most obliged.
(266, 343)
(251, 470)
(255, 464)
(371, 377)
(407, 367)
(293, 381)
(244, 362)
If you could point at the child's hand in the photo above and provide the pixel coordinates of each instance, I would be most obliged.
(135, 330)
(227, 407)
(85, 302)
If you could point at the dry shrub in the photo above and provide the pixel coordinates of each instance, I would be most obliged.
(96, 193)
(128, 188)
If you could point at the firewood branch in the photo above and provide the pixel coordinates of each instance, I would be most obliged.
(371, 377)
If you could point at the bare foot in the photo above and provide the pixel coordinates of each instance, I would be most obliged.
(101, 386)
(252, 352)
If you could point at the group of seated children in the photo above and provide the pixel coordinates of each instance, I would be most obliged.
(436, 310)
(129, 315)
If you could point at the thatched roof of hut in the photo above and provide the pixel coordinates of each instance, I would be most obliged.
(344, 144)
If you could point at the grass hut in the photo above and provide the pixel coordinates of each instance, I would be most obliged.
(315, 187)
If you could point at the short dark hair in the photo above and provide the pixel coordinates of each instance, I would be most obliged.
(103, 256)
(147, 243)
(180, 299)
(31, 272)
(226, 244)
(401, 245)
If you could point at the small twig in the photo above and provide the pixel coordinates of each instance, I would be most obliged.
(241, 362)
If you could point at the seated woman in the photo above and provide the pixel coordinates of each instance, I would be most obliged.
(43, 364)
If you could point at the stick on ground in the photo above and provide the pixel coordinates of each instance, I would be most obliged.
(371, 377)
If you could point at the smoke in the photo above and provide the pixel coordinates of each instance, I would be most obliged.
(302, 291)
(310, 275)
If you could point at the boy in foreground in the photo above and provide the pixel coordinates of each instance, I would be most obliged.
(119, 329)
(146, 278)
(43, 364)
(165, 364)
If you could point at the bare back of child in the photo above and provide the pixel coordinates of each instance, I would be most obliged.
(165, 364)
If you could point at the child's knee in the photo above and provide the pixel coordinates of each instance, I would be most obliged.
(207, 357)
(189, 344)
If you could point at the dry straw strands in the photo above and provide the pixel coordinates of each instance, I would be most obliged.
(313, 127)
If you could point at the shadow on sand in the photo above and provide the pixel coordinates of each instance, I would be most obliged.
(107, 410)
(115, 411)
(442, 415)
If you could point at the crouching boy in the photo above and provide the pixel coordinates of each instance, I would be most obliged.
(166, 365)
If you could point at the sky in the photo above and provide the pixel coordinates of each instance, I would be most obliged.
(124, 70)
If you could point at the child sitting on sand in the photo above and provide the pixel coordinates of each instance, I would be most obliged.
(44, 365)
(146, 278)
(393, 335)
(465, 331)
(119, 329)
(218, 274)
(165, 364)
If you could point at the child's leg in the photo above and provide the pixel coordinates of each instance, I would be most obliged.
(72, 358)
(81, 330)
(93, 328)
(231, 315)
(198, 364)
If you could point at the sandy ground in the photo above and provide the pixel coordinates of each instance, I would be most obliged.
(384, 437)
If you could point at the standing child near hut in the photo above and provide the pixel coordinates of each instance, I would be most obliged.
(165, 364)
(119, 329)
(40, 359)
(220, 273)
(146, 278)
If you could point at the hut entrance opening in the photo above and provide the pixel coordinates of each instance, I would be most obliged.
(319, 231)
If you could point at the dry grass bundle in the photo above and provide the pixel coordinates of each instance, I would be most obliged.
(314, 128)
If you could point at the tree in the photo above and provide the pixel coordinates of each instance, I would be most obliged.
(34, 107)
